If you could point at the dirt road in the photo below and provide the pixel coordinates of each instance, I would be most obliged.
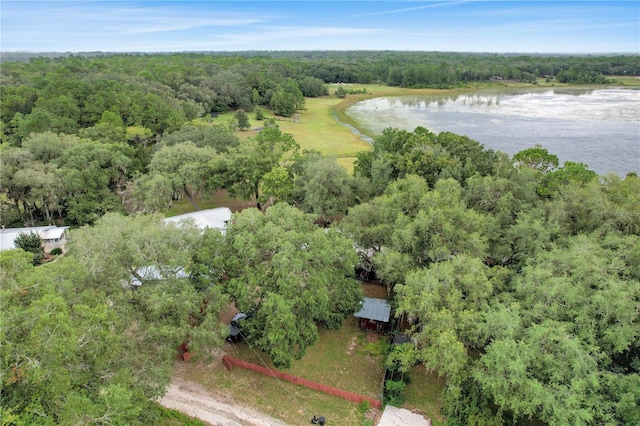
(195, 401)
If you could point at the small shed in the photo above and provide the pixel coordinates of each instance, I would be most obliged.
(374, 314)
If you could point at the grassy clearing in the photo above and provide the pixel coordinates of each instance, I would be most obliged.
(334, 360)
(626, 80)
(423, 393)
(317, 129)
(348, 359)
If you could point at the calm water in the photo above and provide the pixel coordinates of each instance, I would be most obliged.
(600, 128)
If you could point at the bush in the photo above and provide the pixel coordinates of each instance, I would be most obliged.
(394, 392)
(56, 251)
(32, 243)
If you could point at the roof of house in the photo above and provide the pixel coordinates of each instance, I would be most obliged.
(7, 236)
(211, 218)
(393, 416)
(151, 273)
(374, 309)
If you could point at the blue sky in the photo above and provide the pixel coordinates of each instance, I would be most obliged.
(462, 26)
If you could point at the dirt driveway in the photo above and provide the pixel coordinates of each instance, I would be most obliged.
(218, 410)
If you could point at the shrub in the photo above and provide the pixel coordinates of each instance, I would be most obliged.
(394, 392)
(32, 243)
(56, 251)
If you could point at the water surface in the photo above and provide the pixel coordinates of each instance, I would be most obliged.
(600, 127)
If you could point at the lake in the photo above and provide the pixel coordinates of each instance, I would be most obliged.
(598, 127)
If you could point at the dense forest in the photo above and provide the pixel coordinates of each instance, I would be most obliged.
(519, 278)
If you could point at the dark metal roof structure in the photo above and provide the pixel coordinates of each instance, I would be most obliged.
(374, 309)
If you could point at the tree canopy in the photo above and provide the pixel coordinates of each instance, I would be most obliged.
(292, 275)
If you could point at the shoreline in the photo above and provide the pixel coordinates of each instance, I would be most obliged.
(339, 110)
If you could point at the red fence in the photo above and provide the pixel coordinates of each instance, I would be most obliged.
(349, 396)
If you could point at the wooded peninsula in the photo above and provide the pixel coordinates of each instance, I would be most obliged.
(516, 279)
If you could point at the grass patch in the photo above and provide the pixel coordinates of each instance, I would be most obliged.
(423, 393)
(335, 360)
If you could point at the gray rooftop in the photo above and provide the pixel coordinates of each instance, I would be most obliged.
(211, 218)
(374, 309)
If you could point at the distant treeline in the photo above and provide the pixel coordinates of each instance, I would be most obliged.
(162, 91)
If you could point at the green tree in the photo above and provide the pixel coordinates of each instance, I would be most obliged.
(202, 134)
(287, 100)
(570, 172)
(74, 351)
(242, 170)
(312, 87)
(243, 120)
(118, 246)
(93, 175)
(276, 185)
(577, 325)
(323, 187)
(293, 275)
(449, 299)
(537, 158)
(184, 167)
(32, 243)
(430, 226)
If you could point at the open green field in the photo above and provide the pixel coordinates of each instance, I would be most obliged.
(322, 123)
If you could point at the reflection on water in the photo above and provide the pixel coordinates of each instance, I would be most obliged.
(598, 127)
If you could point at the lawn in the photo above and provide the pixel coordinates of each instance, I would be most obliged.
(317, 130)
(423, 393)
(340, 358)
(348, 359)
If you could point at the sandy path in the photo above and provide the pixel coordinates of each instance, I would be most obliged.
(195, 401)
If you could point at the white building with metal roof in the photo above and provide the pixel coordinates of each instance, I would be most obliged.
(52, 236)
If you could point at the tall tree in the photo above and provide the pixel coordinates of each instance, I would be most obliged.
(323, 187)
(184, 167)
(243, 120)
(242, 170)
(293, 275)
(73, 353)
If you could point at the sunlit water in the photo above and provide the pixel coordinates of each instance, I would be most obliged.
(600, 128)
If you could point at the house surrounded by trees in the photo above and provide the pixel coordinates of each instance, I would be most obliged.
(52, 236)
